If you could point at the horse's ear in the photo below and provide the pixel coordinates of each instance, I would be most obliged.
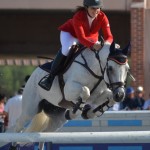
(127, 49)
(112, 47)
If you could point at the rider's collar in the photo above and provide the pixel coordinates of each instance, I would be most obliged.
(89, 16)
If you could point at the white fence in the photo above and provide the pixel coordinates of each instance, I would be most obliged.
(111, 121)
(79, 137)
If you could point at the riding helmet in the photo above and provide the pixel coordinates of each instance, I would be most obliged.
(93, 3)
(129, 90)
(139, 89)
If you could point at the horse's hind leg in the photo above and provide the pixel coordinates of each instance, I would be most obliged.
(39, 123)
(22, 123)
(29, 110)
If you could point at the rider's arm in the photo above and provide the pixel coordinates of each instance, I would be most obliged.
(108, 37)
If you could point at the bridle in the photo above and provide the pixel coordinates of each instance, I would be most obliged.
(110, 85)
(120, 59)
(100, 78)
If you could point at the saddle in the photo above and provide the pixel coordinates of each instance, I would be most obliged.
(74, 52)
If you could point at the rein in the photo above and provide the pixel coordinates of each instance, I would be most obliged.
(100, 78)
(85, 65)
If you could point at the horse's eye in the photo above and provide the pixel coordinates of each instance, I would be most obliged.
(110, 68)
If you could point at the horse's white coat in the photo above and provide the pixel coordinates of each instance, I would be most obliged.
(78, 83)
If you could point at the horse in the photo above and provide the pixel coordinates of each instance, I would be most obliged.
(92, 84)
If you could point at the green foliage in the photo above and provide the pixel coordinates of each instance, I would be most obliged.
(12, 78)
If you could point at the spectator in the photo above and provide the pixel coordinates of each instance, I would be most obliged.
(116, 106)
(130, 103)
(139, 97)
(13, 108)
(2, 115)
(146, 105)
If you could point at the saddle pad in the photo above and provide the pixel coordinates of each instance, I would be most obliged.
(46, 66)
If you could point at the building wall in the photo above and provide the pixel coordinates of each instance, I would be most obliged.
(122, 5)
(140, 53)
(147, 54)
(137, 38)
(35, 32)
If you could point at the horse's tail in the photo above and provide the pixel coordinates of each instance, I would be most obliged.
(41, 105)
(39, 123)
(41, 120)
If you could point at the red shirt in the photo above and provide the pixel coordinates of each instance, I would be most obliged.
(79, 27)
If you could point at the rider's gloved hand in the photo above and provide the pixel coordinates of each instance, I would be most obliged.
(117, 46)
(97, 46)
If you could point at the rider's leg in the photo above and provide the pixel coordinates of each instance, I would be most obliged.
(56, 66)
(67, 40)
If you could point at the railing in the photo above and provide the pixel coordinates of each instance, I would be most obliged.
(79, 137)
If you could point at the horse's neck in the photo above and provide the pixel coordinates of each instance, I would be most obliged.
(91, 58)
(103, 54)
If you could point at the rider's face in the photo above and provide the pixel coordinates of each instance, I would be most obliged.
(93, 12)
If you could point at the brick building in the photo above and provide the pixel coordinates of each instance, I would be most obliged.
(29, 28)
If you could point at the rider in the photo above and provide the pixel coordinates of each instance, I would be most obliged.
(84, 28)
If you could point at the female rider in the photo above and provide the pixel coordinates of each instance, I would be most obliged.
(84, 28)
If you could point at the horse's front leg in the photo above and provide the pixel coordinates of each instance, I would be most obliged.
(102, 103)
(78, 94)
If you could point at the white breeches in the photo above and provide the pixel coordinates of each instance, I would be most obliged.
(67, 40)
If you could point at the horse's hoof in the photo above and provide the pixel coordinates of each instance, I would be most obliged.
(85, 111)
(67, 115)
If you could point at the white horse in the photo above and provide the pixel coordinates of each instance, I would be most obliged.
(95, 79)
(82, 84)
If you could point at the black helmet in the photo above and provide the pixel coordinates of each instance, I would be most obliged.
(93, 3)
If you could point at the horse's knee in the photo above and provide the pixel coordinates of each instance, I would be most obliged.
(75, 90)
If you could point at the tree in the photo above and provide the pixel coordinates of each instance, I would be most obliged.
(12, 78)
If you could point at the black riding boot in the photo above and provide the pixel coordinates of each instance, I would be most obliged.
(56, 66)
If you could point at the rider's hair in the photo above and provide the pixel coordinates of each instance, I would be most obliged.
(80, 8)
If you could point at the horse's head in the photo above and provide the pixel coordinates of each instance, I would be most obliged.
(116, 71)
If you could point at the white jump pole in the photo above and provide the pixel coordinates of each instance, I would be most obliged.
(79, 137)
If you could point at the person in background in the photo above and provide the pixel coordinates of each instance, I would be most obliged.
(116, 106)
(2, 114)
(83, 28)
(13, 108)
(146, 105)
(139, 97)
(129, 102)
